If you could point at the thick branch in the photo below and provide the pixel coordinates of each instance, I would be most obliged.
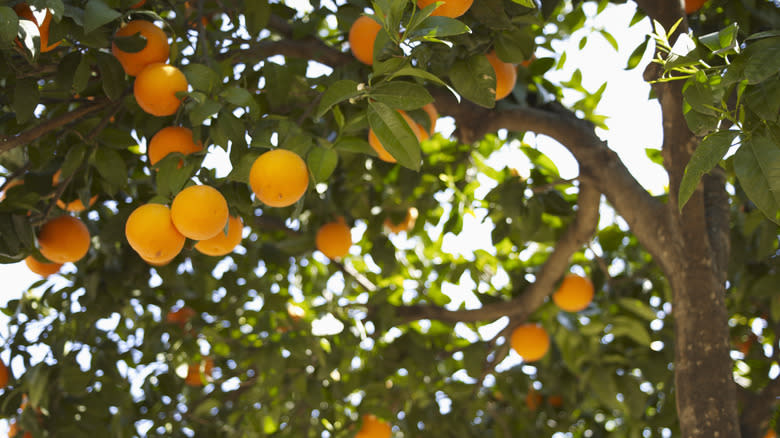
(26, 137)
(519, 308)
(716, 205)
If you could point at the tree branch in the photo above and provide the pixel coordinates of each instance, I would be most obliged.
(9, 142)
(520, 307)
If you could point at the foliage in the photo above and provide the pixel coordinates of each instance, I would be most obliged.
(264, 75)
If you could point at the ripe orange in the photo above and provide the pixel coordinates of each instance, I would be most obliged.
(41, 268)
(574, 293)
(4, 375)
(180, 317)
(433, 114)
(380, 150)
(449, 8)
(692, 6)
(64, 239)
(405, 225)
(334, 239)
(222, 243)
(75, 206)
(373, 427)
(172, 139)
(506, 75)
(362, 35)
(199, 212)
(150, 232)
(198, 373)
(770, 434)
(555, 401)
(279, 178)
(23, 11)
(530, 341)
(533, 399)
(156, 86)
(156, 49)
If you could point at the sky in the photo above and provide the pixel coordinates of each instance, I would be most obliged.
(634, 125)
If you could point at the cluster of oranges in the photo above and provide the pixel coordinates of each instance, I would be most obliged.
(531, 340)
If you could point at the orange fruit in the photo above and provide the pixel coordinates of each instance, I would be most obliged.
(222, 244)
(155, 51)
(770, 434)
(150, 232)
(380, 150)
(13, 431)
(41, 268)
(574, 293)
(530, 341)
(172, 139)
(279, 178)
(198, 373)
(373, 427)
(692, 6)
(433, 114)
(75, 206)
(199, 212)
(180, 317)
(506, 75)
(4, 375)
(64, 239)
(362, 35)
(156, 86)
(555, 401)
(404, 225)
(533, 399)
(449, 8)
(334, 239)
(157, 263)
(23, 11)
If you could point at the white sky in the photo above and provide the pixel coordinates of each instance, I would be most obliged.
(634, 124)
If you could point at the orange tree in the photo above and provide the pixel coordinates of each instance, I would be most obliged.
(680, 337)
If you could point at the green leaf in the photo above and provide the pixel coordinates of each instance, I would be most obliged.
(97, 14)
(353, 144)
(636, 56)
(438, 27)
(631, 328)
(638, 308)
(9, 24)
(706, 156)
(764, 99)
(401, 95)
(257, 13)
(610, 39)
(203, 111)
(338, 91)
(112, 76)
(723, 41)
(130, 43)
(66, 70)
(237, 96)
(322, 162)
(762, 59)
(26, 98)
(515, 45)
(171, 178)
(757, 165)
(527, 3)
(475, 79)
(82, 74)
(201, 77)
(416, 72)
(111, 167)
(395, 134)
(73, 160)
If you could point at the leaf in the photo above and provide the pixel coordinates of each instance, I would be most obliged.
(111, 167)
(201, 77)
(171, 178)
(112, 76)
(438, 27)
(475, 79)
(203, 111)
(527, 3)
(638, 308)
(707, 155)
(322, 162)
(237, 96)
(416, 72)
(338, 91)
(9, 24)
(631, 328)
(395, 134)
(131, 43)
(764, 99)
(401, 95)
(636, 56)
(26, 97)
(723, 41)
(257, 13)
(610, 39)
(82, 74)
(515, 45)
(97, 14)
(762, 59)
(757, 166)
(73, 160)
